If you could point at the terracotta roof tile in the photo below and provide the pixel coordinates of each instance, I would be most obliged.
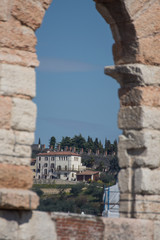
(88, 172)
(64, 153)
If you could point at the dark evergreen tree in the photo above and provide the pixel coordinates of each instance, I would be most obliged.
(52, 142)
(66, 142)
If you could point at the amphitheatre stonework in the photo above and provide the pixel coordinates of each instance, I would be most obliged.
(135, 26)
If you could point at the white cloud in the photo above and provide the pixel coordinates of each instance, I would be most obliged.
(61, 65)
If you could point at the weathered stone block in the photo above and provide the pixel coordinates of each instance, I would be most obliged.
(147, 207)
(29, 12)
(125, 180)
(124, 229)
(9, 228)
(35, 228)
(149, 50)
(134, 74)
(146, 181)
(5, 111)
(146, 96)
(17, 36)
(139, 148)
(18, 199)
(156, 230)
(23, 115)
(24, 138)
(5, 8)
(139, 117)
(16, 145)
(14, 160)
(150, 19)
(22, 151)
(18, 57)
(126, 205)
(7, 142)
(17, 80)
(12, 176)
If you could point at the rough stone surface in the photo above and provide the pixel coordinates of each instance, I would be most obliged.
(147, 207)
(133, 42)
(125, 180)
(139, 148)
(18, 57)
(23, 115)
(15, 160)
(156, 230)
(14, 144)
(146, 96)
(17, 80)
(124, 229)
(38, 227)
(12, 176)
(24, 138)
(5, 8)
(29, 12)
(146, 181)
(17, 36)
(140, 206)
(9, 227)
(18, 199)
(126, 205)
(149, 49)
(5, 112)
(139, 117)
(148, 16)
(134, 74)
(7, 142)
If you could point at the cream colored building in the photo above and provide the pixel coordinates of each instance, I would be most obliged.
(61, 165)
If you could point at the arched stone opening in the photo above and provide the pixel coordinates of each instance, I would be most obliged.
(135, 27)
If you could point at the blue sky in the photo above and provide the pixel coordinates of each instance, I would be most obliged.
(73, 94)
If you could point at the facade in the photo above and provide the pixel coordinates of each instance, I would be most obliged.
(61, 165)
(33, 167)
(87, 176)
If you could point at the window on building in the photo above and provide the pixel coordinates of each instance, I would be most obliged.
(46, 158)
(45, 165)
(45, 171)
(75, 158)
(72, 167)
(39, 165)
(52, 158)
(59, 167)
(39, 158)
(52, 165)
(72, 174)
(65, 167)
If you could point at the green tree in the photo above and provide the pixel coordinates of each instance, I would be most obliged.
(115, 147)
(66, 142)
(52, 142)
(90, 143)
(76, 189)
(114, 166)
(100, 166)
(79, 142)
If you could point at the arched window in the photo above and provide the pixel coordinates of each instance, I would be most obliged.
(52, 165)
(45, 165)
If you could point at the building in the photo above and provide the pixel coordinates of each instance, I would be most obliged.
(85, 176)
(61, 165)
(33, 167)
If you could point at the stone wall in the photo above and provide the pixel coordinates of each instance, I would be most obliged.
(135, 26)
(29, 225)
